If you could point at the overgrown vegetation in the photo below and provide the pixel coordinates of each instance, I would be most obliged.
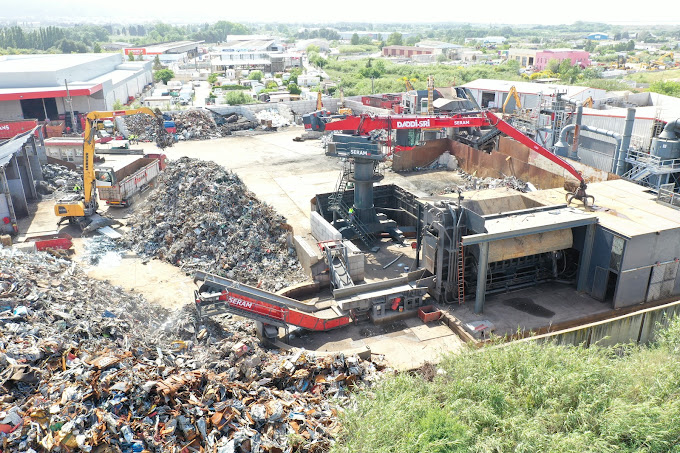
(356, 76)
(528, 397)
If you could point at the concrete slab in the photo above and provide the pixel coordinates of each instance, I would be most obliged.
(532, 308)
(428, 331)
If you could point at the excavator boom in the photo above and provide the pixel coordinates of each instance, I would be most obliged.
(79, 206)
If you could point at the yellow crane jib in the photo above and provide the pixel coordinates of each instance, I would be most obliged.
(514, 94)
(82, 203)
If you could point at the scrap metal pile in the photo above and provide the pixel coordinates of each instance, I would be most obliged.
(195, 124)
(57, 178)
(202, 217)
(85, 366)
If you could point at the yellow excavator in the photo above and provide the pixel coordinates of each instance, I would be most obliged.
(512, 93)
(80, 207)
(342, 110)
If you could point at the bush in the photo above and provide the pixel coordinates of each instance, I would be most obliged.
(528, 396)
(238, 97)
(255, 75)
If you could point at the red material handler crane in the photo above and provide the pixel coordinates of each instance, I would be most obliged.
(363, 124)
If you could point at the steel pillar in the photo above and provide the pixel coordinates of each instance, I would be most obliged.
(625, 142)
(586, 254)
(482, 267)
(363, 178)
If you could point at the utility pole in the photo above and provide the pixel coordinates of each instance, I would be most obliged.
(74, 126)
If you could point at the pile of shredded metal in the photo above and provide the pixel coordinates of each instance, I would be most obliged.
(85, 366)
(202, 217)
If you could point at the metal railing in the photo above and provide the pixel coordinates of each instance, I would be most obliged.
(667, 194)
(657, 164)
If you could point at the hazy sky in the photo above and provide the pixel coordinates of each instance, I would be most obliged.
(483, 12)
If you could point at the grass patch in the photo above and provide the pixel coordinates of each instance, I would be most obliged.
(528, 397)
(655, 76)
(358, 48)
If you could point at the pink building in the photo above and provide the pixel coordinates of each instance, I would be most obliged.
(577, 57)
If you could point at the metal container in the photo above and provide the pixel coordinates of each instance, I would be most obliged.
(665, 148)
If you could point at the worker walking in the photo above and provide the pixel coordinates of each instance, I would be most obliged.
(351, 213)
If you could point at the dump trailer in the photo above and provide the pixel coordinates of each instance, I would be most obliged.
(118, 187)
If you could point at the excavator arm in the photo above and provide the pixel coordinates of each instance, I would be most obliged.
(512, 93)
(81, 207)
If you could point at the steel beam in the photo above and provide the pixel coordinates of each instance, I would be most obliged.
(482, 267)
(489, 237)
(586, 254)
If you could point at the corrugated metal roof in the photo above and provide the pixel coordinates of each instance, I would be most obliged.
(47, 62)
(527, 87)
(9, 148)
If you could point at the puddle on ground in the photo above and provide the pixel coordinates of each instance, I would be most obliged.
(102, 251)
(527, 305)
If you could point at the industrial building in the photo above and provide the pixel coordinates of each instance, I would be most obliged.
(576, 57)
(169, 52)
(40, 86)
(525, 57)
(408, 51)
(491, 93)
(20, 160)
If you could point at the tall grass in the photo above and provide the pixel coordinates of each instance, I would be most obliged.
(528, 397)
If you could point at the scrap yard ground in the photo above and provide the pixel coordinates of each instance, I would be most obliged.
(287, 175)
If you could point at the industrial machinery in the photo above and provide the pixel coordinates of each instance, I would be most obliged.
(378, 301)
(363, 124)
(364, 151)
(512, 94)
(81, 206)
(319, 102)
(342, 110)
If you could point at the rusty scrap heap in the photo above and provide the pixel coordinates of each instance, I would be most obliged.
(85, 366)
(202, 217)
(195, 124)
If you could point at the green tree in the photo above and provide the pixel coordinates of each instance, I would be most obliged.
(140, 57)
(212, 78)
(237, 97)
(255, 75)
(163, 75)
(395, 39)
(131, 57)
(553, 65)
(97, 48)
(355, 39)
(669, 88)
(294, 89)
(294, 73)
(157, 65)
(312, 48)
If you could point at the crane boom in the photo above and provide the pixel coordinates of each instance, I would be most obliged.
(363, 124)
(86, 205)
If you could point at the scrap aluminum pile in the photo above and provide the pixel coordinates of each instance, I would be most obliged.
(202, 217)
(84, 366)
(272, 119)
(192, 124)
(57, 178)
(474, 183)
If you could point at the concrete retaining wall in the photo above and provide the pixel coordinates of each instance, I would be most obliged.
(307, 254)
(323, 230)
(638, 327)
(298, 108)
